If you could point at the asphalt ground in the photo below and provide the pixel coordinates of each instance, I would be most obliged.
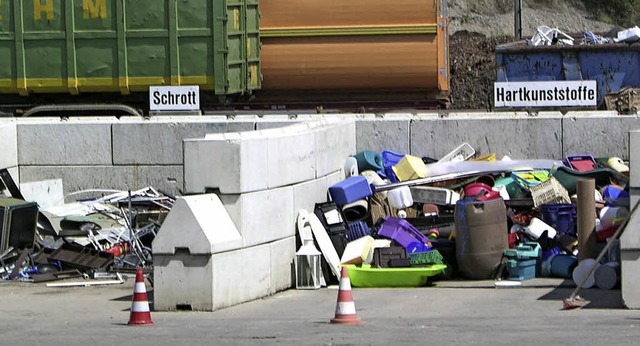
(444, 313)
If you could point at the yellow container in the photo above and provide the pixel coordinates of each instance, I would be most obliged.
(410, 168)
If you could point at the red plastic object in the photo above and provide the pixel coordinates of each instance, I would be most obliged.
(584, 163)
(474, 189)
(489, 195)
(606, 233)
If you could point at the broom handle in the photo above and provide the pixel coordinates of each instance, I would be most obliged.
(615, 235)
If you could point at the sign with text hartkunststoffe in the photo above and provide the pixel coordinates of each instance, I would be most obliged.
(174, 98)
(545, 94)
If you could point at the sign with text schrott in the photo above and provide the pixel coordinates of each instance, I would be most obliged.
(546, 94)
(174, 98)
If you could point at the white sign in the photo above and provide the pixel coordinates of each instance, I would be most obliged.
(545, 94)
(174, 98)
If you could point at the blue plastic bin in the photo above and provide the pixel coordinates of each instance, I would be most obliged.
(521, 270)
(562, 217)
(358, 230)
(350, 190)
(391, 159)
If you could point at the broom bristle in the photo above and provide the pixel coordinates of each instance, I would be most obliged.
(573, 303)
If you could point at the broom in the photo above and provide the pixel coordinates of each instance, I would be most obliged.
(575, 301)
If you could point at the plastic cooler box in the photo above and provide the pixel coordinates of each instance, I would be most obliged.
(524, 262)
(403, 233)
(350, 190)
(522, 270)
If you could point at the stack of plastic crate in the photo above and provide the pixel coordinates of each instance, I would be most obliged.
(524, 261)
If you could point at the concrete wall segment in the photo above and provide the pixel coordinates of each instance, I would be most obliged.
(75, 178)
(307, 194)
(337, 142)
(241, 275)
(630, 274)
(8, 143)
(388, 133)
(73, 143)
(291, 156)
(157, 143)
(514, 135)
(282, 265)
(634, 158)
(600, 135)
(262, 216)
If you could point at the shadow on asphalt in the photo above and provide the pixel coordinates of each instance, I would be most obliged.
(129, 298)
(597, 298)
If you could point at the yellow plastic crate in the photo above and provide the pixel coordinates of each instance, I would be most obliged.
(410, 168)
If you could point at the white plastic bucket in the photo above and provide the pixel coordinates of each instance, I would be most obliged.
(537, 227)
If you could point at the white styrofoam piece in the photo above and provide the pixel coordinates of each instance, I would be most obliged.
(357, 251)
(46, 193)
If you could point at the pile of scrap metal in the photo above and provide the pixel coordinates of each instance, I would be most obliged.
(92, 237)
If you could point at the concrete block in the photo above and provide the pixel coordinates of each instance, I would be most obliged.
(335, 142)
(598, 135)
(307, 194)
(263, 216)
(292, 156)
(388, 133)
(76, 178)
(634, 158)
(334, 178)
(211, 282)
(157, 143)
(241, 275)
(282, 266)
(289, 155)
(200, 224)
(232, 163)
(9, 144)
(630, 238)
(517, 136)
(183, 282)
(630, 277)
(87, 143)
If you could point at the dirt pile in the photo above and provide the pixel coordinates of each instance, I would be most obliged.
(477, 27)
(473, 69)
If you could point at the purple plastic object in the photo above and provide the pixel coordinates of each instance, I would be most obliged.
(403, 233)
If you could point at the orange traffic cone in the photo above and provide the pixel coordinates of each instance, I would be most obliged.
(345, 307)
(140, 314)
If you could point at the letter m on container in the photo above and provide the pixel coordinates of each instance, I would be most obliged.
(94, 9)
